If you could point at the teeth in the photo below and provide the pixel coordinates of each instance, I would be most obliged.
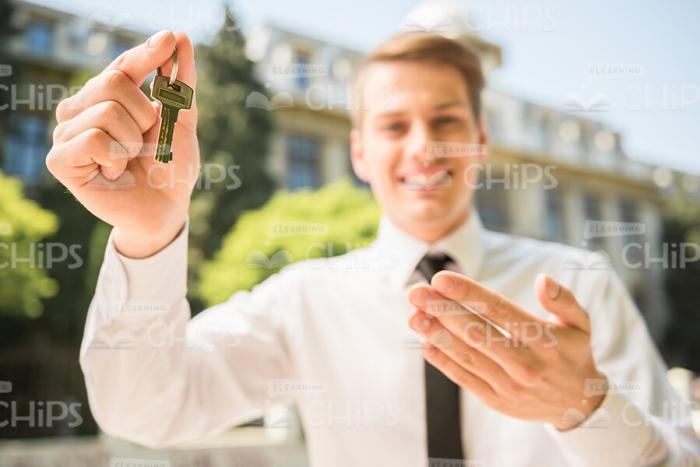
(419, 180)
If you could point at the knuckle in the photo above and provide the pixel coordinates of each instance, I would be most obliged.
(474, 333)
(465, 359)
(58, 132)
(112, 110)
(530, 374)
(52, 161)
(119, 60)
(62, 110)
(115, 79)
(94, 137)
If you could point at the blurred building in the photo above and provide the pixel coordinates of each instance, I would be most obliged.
(51, 48)
(603, 200)
(309, 88)
(309, 83)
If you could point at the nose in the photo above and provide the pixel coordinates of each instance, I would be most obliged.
(418, 144)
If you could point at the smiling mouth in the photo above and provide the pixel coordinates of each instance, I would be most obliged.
(423, 182)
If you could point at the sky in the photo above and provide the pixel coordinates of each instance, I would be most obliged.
(632, 64)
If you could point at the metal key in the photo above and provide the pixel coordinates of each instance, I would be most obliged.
(173, 95)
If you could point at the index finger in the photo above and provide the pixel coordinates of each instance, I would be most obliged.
(491, 306)
(477, 332)
(142, 60)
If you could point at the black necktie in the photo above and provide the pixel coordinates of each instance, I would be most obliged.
(441, 394)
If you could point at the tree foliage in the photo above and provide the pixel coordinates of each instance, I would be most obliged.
(292, 226)
(233, 140)
(23, 255)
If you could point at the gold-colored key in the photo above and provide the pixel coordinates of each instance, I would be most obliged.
(173, 95)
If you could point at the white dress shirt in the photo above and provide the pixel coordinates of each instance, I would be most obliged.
(332, 335)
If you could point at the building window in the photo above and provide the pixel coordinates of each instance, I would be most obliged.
(628, 215)
(542, 129)
(554, 215)
(40, 38)
(592, 212)
(300, 65)
(628, 211)
(303, 162)
(26, 148)
(493, 124)
(492, 204)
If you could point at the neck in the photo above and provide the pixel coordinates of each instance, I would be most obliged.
(431, 232)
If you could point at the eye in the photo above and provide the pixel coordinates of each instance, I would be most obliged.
(394, 127)
(446, 120)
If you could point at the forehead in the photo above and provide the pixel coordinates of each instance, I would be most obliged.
(398, 86)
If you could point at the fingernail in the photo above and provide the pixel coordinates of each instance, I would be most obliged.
(444, 283)
(419, 297)
(553, 288)
(424, 324)
(155, 39)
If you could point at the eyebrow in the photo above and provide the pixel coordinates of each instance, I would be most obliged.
(395, 113)
(442, 106)
(446, 105)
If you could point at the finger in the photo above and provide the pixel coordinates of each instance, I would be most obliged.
(186, 73)
(185, 61)
(113, 172)
(488, 304)
(78, 160)
(513, 356)
(469, 358)
(562, 303)
(459, 375)
(142, 60)
(109, 116)
(111, 85)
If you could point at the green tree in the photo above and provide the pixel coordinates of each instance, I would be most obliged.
(23, 255)
(292, 226)
(233, 141)
(69, 307)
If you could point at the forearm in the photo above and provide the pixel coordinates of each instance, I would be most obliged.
(157, 377)
(133, 348)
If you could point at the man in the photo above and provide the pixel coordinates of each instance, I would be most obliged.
(507, 375)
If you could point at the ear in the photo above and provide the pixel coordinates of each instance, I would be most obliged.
(357, 156)
(483, 139)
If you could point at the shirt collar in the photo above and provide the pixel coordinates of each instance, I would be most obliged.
(464, 245)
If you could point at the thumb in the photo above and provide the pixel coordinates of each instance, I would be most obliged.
(142, 60)
(186, 73)
(559, 301)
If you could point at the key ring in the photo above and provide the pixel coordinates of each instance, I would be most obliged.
(173, 74)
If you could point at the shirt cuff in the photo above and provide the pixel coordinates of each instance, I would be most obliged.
(147, 286)
(616, 434)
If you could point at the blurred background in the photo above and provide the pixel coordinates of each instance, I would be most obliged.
(592, 110)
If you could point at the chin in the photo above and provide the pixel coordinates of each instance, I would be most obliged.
(426, 210)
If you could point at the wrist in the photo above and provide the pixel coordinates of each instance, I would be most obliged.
(588, 406)
(139, 245)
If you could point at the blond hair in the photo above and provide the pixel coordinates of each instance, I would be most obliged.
(423, 47)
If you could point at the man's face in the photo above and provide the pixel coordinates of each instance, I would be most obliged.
(416, 145)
